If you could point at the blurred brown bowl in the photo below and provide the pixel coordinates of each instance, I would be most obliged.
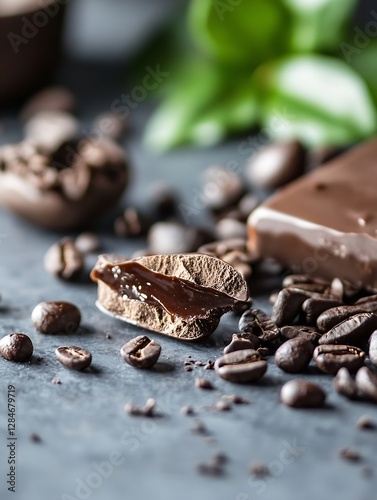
(30, 45)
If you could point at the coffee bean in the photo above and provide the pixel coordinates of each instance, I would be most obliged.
(336, 315)
(241, 366)
(203, 383)
(223, 187)
(313, 307)
(87, 243)
(64, 260)
(373, 348)
(344, 384)
(227, 229)
(366, 300)
(163, 200)
(50, 129)
(304, 332)
(141, 352)
(276, 164)
(259, 469)
(299, 280)
(353, 330)
(242, 341)
(259, 324)
(366, 383)
(302, 394)
(56, 317)
(331, 357)
(288, 306)
(264, 351)
(16, 347)
(57, 99)
(73, 357)
(366, 423)
(131, 224)
(210, 365)
(294, 355)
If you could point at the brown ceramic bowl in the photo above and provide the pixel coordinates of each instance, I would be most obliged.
(30, 36)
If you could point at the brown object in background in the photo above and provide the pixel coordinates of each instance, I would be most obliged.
(32, 46)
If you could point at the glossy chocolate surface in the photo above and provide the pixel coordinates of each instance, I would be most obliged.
(325, 223)
(179, 297)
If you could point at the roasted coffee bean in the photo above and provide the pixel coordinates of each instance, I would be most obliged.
(227, 229)
(203, 383)
(16, 347)
(298, 280)
(240, 261)
(64, 260)
(304, 332)
(336, 315)
(294, 355)
(373, 348)
(313, 307)
(302, 394)
(87, 243)
(57, 99)
(288, 306)
(131, 224)
(259, 324)
(264, 351)
(141, 352)
(223, 247)
(163, 200)
(241, 366)
(353, 330)
(50, 129)
(242, 341)
(111, 125)
(56, 317)
(366, 300)
(276, 164)
(341, 290)
(331, 357)
(366, 383)
(73, 357)
(344, 384)
(222, 187)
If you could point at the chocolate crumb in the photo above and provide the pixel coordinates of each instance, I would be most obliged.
(187, 410)
(210, 365)
(108, 336)
(237, 400)
(149, 409)
(203, 383)
(259, 469)
(35, 438)
(366, 423)
(56, 381)
(188, 368)
(199, 363)
(199, 428)
(210, 469)
(223, 405)
(349, 454)
(220, 458)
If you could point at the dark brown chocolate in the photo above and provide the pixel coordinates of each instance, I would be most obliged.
(325, 224)
(180, 295)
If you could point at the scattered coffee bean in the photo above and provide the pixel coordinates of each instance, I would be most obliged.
(366, 300)
(294, 355)
(242, 341)
(288, 306)
(302, 332)
(344, 384)
(203, 383)
(241, 366)
(366, 423)
(64, 260)
(331, 357)
(351, 331)
(373, 348)
(87, 243)
(141, 352)
(131, 224)
(276, 164)
(264, 351)
(16, 347)
(349, 454)
(332, 317)
(366, 383)
(56, 317)
(299, 280)
(259, 324)
(302, 394)
(259, 469)
(313, 307)
(187, 410)
(75, 358)
(223, 188)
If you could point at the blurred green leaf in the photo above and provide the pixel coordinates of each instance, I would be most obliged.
(319, 25)
(317, 99)
(206, 104)
(242, 32)
(364, 62)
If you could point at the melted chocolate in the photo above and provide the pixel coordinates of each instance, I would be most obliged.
(179, 297)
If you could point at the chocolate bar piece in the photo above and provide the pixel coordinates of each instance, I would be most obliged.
(325, 224)
(181, 295)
